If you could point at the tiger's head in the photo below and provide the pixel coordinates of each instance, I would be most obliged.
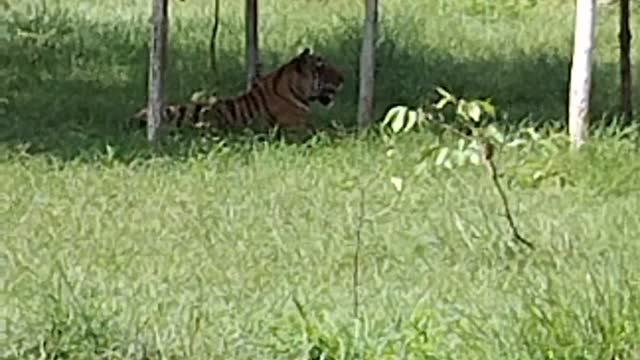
(324, 79)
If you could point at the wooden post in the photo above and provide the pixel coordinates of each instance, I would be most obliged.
(624, 37)
(213, 61)
(580, 86)
(367, 64)
(157, 65)
(251, 42)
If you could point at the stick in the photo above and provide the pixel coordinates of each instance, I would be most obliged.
(487, 156)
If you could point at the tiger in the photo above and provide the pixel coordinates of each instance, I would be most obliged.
(280, 98)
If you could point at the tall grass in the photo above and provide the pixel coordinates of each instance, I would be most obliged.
(245, 251)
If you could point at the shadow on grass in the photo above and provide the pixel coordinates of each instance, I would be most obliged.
(69, 93)
(522, 85)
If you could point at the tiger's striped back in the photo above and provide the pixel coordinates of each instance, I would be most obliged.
(280, 98)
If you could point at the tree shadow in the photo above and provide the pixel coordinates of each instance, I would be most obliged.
(69, 95)
(522, 87)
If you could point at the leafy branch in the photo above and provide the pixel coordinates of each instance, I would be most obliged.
(475, 135)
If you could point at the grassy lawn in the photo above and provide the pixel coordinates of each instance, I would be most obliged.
(245, 251)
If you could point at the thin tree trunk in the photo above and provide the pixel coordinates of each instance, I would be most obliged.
(580, 87)
(251, 42)
(157, 65)
(213, 60)
(625, 59)
(367, 64)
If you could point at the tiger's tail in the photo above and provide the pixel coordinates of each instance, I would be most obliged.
(245, 110)
(177, 115)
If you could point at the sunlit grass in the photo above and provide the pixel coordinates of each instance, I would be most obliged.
(200, 251)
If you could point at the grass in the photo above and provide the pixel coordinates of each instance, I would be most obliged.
(203, 251)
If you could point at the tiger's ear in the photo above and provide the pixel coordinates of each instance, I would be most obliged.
(302, 59)
(306, 51)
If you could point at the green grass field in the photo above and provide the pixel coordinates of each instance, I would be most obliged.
(201, 250)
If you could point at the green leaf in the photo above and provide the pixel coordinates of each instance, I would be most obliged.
(474, 158)
(461, 157)
(474, 111)
(441, 103)
(444, 93)
(390, 114)
(412, 119)
(110, 153)
(398, 122)
(391, 152)
(420, 168)
(198, 96)
(493, 132)
(427, 152)
(487, 107)
(442, 156)
(397, 183)
(532, 133)
(538, 175)
(446, 98)
(461, 109)
(395, 117)
(516, 143)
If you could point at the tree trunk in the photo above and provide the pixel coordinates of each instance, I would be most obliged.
(213, 56)
(157, 65)
(625, 59)
(580, 87)
(367, 64)
(251, 42)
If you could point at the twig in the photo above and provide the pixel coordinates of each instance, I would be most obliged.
(356, 255)
(212, 39)
(453, 130)
(300, 309)
(196, 330)
(487, 156)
